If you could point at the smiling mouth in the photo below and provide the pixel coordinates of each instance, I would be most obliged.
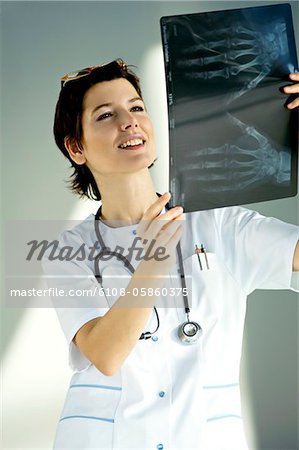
(132, 144)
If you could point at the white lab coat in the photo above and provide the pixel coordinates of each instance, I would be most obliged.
(166, 394)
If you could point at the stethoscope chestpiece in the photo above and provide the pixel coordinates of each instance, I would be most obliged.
(189, 332)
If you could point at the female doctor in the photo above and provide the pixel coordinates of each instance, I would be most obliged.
(156, 349)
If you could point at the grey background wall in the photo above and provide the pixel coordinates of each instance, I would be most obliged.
(40, 42)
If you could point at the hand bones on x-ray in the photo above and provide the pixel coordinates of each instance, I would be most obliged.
(236, 49)
(219, 164)
(245, 56)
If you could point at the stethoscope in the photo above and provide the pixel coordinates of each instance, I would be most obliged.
(189, 331)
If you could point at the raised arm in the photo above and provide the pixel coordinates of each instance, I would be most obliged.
(294, 89)
(107, 341)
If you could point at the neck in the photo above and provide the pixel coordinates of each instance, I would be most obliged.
(126, 197)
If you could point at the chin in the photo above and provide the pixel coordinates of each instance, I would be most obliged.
(142, 161)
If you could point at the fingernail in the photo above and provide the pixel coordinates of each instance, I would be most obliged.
(166, 194)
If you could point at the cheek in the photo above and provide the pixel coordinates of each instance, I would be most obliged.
(95, 140)
(149, 129)
(153, 138)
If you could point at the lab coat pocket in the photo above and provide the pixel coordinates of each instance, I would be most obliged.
(203, 276)
(88, 417)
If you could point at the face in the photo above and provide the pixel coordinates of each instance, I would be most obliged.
(117, 132)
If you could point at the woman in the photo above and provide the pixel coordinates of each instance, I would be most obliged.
(137, 383)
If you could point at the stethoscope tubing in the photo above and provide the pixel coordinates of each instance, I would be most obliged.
(184, 336)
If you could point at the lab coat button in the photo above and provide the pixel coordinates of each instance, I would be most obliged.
(160, 447)
(161, 394)
(134, 231)
(155, 338)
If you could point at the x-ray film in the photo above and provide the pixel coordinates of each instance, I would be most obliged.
(231, 139)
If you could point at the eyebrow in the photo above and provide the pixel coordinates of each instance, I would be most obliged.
(103, 105)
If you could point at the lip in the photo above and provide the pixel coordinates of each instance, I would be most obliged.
(129, 138)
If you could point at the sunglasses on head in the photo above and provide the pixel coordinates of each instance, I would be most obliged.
(88, 70)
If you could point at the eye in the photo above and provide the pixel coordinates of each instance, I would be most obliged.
(137, 108)
(104, 116)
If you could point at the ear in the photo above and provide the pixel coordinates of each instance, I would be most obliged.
(76, 154)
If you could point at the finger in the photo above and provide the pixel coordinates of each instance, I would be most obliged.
(293, 104)
(292, 89)
(163, 221)
(156, 243)
(167, 241)
(151, 228)
(179, 216)
(294, 76)
(174, 240)
(155, 209)
(171, 214)
(169, 253)
(152, 212)
(167, 231)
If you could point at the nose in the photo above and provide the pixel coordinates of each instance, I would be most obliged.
(127, 121)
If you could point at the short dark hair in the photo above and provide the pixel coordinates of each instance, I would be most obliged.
(68, 118)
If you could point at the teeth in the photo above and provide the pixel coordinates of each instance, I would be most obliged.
(131, 143)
